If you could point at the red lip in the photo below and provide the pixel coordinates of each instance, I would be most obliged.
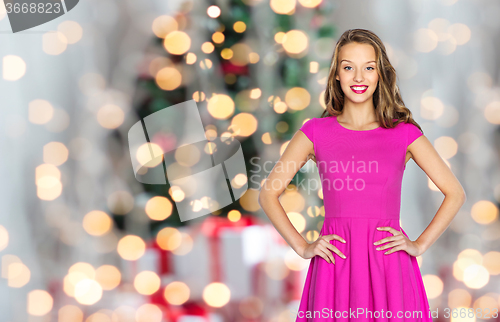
(359, 92)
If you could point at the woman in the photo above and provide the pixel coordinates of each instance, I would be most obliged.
(363, 265)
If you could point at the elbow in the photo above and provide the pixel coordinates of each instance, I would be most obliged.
(463, 196)
(260, 198)
(263, 198)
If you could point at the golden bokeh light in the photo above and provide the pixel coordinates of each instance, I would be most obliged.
(199, 96)
(283, 147)
(484, 212)
(491, 261)
(206, 64)
(186, 245)
(213, 11)
(446, 146)
(313, 67)
(216, 294)
(176, 293)
(191, 59)
(244, 124)
(283, 7)
(97, 223)
(431, 108)
(46, 172)
(4, 238)
(425, 40)
(459, 298)
(218, 37)
(54, 43)
(488, 305)
(40, 302)
(108, 276)
(298, 221)
(99, 316)
(282, 127)
(40, 111)
(163, 25)
(48, 187)
(84, 268)
(476, 276)
(88, 292)
(239, 180)
(187, 155)
(234, 215)
(249, 200)
(110, 116)
(492, 112)
(70, 313)
(226, 53)
(297, 98)
(13, 67)
(460, 32)
(255, 93)
(131, 247)
(169, 238)
(239, 26)
(207, 47)
(147, 282)
(124, 313)
(279, 36)
(292, 199)
(433, 285)
(149, 155)
(295, 42)
(158, 208)
(310, 3)
(148, 313)
(241, 54)
(220, 106)
(266, 138)
(168, 78)
(313, 211)
(312, 235)
(18, 275)
(71, 30)
(55, 153)
(177, 42)
(157, 63)
(280, 107)
(7, 260)
(176, 193)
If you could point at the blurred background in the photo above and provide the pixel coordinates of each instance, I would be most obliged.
(82, 240)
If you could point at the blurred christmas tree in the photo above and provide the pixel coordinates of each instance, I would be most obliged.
(273, 92)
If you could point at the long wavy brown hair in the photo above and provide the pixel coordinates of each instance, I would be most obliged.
(389, 105)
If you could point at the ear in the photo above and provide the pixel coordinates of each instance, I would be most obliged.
(337, 77)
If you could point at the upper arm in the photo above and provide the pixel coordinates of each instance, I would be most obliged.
(293, 158)
(427, 158)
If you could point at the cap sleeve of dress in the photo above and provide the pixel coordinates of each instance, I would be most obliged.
(308, 129)
(413, 133)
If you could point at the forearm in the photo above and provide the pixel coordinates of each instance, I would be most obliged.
(278, 217)
(445, 214)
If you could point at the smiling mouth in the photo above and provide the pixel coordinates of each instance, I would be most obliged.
(359, 89)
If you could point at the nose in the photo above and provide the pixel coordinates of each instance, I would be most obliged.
(358, 76)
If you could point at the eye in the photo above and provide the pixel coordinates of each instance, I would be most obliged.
(347, 67)
(371, 68)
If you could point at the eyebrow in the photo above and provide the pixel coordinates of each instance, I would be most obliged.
(371, 61)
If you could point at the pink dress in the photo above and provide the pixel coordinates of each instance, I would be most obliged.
(361, 174)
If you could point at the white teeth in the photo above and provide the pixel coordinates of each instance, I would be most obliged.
(359, 88)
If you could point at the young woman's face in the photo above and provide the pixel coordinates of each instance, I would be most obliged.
(357, 72)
